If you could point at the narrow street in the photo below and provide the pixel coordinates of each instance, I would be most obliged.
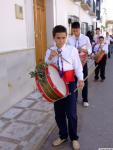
(95, 125)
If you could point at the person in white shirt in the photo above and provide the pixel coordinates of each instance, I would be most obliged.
(82, 43)
(111, 44)
(102, 63)
(108, 39)
(67, 59)
(96, 36)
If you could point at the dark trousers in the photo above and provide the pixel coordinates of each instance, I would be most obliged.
(66, 114)
(85, 89)
(109, 51)
(111, 48)
(101, 68)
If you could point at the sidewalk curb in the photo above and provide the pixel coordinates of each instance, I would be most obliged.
(39, 145)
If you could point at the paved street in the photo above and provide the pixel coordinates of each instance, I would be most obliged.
(30, 125)
(26, 125)
(95, 125)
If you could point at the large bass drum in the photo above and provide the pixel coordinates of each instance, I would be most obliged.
(49, 83)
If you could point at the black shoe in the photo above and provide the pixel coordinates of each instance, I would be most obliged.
(102, 80)
(96, 80)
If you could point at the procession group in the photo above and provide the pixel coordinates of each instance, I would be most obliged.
(70, 55)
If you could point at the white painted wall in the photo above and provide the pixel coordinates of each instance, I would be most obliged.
(16, 34)
(85, 17)
(15, 81)
(58, 12)
(17, 54)
(65, 8)
(29, 21)
(50, 21)
(68, 7)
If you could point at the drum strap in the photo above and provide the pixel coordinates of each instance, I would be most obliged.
(100, 47)
(60, 58)
(77, 43)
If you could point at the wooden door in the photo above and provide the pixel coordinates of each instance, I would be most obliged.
(40, 29)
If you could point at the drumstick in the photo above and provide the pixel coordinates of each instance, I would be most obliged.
(62, 57)
(83, 80)
(87, 77)
(78, 86)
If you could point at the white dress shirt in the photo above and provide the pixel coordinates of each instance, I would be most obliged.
(70, 54)
(96, 37)
(81, 42)
(103, 46)
(108, 39)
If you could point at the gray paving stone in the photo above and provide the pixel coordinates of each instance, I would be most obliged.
(7, 145)
(43, 105)
(25, 103)
(28, 146)
(17, 131)
(90, 64)
(31, 116)
(2, 123)
(42, 133)
(12, 113)
(36, 95)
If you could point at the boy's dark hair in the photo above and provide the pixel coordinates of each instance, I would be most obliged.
(75, 25)
(97, 28)
(59, 29)
(101, 37)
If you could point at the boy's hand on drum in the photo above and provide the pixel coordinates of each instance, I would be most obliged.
(53, 54)
(80, 84)
(84, 50)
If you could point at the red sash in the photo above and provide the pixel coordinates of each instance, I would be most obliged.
(69, 76)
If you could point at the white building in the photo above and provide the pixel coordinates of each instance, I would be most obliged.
(25, 33)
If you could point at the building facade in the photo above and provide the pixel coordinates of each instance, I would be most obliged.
(98, 13)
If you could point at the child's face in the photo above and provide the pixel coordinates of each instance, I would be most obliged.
(60, 39)
(97, 31)
(101, 40)
(76, 31)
